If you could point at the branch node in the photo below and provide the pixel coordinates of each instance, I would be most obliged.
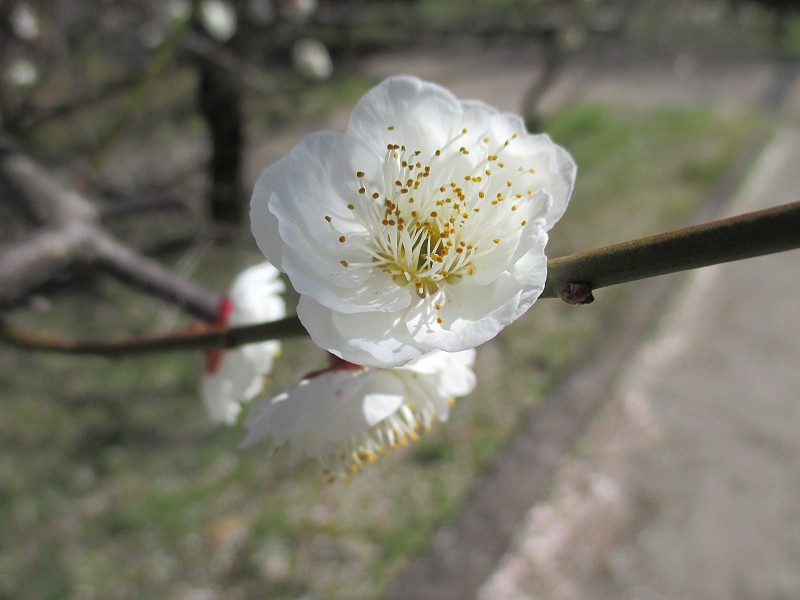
(577, 292)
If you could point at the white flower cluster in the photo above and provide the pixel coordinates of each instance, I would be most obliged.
(237, 375)
(349, 416)
(412, 238)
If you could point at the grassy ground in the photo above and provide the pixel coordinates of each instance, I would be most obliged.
(113, 484)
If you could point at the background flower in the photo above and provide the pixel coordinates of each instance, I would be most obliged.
(423, 227)
(349, 416)
(237, 375)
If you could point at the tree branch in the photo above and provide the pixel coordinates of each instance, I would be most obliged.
(53, 250)
(745, 236)
(72, 236)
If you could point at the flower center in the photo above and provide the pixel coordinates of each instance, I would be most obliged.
(435, 215)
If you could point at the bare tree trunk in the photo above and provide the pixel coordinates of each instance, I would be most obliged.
(219, 101)
(552, 63)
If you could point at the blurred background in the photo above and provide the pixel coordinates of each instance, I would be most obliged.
(130, 136)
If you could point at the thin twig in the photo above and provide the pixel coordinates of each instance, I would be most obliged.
(202, 339)
(745, 236)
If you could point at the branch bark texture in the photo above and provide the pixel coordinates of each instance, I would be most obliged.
(70, 236)
(745, 236)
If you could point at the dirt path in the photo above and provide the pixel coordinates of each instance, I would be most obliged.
(579, 543)
(688, 488)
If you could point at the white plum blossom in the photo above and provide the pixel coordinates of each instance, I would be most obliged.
(422, 227)
(219, 19)
(312, 60)
(349, 416)
(24, 22)
(237, 375)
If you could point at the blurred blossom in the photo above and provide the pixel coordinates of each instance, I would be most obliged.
(237, 375)
(312, 60)
(24, 22)
(22, 72)
(422, 228)
(349, 416)
(297, 10)
(218, 18)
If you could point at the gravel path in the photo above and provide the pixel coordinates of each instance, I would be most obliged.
(689, 488)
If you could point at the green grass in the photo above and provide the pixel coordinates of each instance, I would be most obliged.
(113, 484)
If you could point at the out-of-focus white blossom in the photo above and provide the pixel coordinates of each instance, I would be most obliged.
(350, 416)
(24, 22)
(422, 228)
(237, 375)
(312, 60)
(219, 19)
(22, 72)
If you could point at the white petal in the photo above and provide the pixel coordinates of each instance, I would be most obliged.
(373, 339)
(318, 180)
(531, 270)
(239, 377)
(263, 223)
(322, 408)
(383, 395)
(390, 103)
(451, 371)
(348, 417)
(256, 295)
(472, 315)
(237, 380)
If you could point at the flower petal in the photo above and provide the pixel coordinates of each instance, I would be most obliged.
(471, 316)
(256, 295)
(239, 377)
(390, 103)
(372, 339)
(349, 417)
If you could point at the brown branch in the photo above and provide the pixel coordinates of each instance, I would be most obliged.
(752, 234)
(744, 236)
(150, 276)
(206, 338)
(40, 259)
(71, 236)
(44, 199)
